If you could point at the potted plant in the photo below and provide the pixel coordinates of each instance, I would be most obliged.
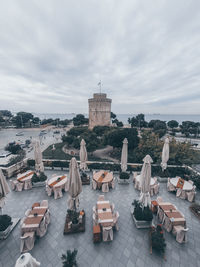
(69, 259)
(142, 216)
(84, 177)
(39, 179)
(5, 226)
(124, 176)
(157, 240)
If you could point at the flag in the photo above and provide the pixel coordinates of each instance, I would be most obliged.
(99, 83)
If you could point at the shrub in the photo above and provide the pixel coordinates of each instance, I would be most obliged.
(124, 175)
(69, 259)
(142, 213)
(5, 221)
(38, 178)
(157, 239)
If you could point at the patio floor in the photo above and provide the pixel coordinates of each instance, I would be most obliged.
(130, 246)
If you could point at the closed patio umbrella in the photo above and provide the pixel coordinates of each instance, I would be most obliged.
(145, 181)
(83, 155)
(165, 154)
(39, 166)
(124, 155)
(4, 190)
(75, 185)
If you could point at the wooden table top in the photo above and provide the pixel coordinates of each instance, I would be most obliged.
(167, 207)
(98, 177)
(174, 214)
(33, 220)
(38, 211)
(101, 206)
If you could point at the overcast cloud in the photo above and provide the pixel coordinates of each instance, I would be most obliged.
(147, 54)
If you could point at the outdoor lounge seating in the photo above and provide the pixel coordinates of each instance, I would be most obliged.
(27, 185)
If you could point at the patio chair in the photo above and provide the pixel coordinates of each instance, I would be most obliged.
(27, 212)
(160, 214)
(44, 203)
(27, 241)
(105, 188)
(167, 223)
(42, 229)
(101, 198)
(19, 186)
(57, 192)
(107, 234)
(113, 183)
(180, 233)
(94, 209)
(27, 185)
(181, 193)
(49, 190)
(47, 217)
(151, 191)
(112, 207)
(190, 196)
(170, 186)
(159, 200)
(115, 220)
(156, 188)
(94, 184)
(13, 184)
(94, 217)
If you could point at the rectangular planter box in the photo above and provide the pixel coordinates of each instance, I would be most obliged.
(123, 181)
(141, 224)
(39, 184)
(4, 234)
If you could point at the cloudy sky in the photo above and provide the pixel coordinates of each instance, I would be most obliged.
(146, 52)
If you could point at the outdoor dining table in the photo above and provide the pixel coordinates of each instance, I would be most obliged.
(104, 213)
(26, 176)
(103, 177)
(186, 186)
(32, 222)
(54, 182)
(172, 213)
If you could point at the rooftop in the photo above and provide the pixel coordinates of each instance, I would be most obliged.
(130, 246)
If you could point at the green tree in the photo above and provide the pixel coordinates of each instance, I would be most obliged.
(116, 137)
(172, 124)
(101, 130)
(138, 121)
(80, 120)
(5, 113)
(22, 118)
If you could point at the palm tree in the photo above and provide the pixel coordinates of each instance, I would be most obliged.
(69, 259)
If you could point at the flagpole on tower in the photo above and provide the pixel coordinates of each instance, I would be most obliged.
(100, 86)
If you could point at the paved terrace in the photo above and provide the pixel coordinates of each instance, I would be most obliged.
(130, 246)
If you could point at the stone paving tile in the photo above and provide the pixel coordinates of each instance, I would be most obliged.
(130, 246)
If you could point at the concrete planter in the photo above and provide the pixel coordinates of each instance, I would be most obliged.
(39, 184)
(123, 181)
(162, 179)
(141, 224)
(4, 234)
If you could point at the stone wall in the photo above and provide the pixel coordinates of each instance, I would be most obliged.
(99, 110)
(15, 169)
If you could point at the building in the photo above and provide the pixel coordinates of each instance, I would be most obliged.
(99, 110)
